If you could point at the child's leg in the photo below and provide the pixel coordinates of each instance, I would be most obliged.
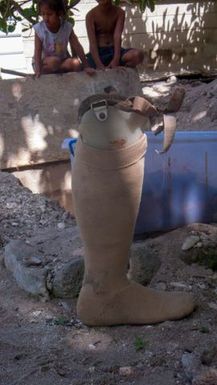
(90, 60)
(51, 64)
(106, 55)
(71, 65)
(132, 57)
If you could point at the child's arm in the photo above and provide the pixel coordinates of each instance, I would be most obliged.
(37, 56)
(92, 41)
(117, 39)
(78, 49)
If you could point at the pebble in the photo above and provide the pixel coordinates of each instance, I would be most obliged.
(180, 285)
(172, 79)
(91, 369)
(199, 244)
(201, 286)
(209, 377)
(61, 225)
(161, 286)
(190, 364)
(92, 347)
(126, 371)
(190, 242)
(212, 305)
(208, 355)
(32, 261)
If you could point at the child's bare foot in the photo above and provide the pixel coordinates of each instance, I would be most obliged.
(90, 71)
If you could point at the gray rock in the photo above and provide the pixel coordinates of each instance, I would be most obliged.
(190, 242)
(208, 355)
(212, 305)
(161, 286)
(208, 377)
(52, 263)
(31, 279)
(67, 279)
(180, 285)
(212, 110)
(190, 364)
(144, 263)
(32, 260)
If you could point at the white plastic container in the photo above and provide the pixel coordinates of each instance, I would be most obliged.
(180, 186)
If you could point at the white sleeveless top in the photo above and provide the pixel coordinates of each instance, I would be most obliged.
(54, 44)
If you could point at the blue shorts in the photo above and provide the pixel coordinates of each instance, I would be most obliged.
(106, 55)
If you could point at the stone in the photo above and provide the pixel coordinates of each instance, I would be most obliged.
(161, 286)
(212, 305)
(172, 79)
(208, 377)
(67, 280)
(180, 285)
(208, 355)
(31, 279)
(190, 242)
(126, 371)
(190, 364)
(144, 263)
(46, 265)
(51, 263)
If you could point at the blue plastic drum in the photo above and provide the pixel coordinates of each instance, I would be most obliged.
(180, 186)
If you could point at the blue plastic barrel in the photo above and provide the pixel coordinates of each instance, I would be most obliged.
(180, 186)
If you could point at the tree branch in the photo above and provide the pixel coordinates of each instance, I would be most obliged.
(19, 9)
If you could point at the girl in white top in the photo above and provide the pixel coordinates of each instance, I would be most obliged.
(52, 36)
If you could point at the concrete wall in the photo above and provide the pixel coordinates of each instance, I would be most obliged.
(36, 115)
(12, 51)
(178, 37)
(51, 179)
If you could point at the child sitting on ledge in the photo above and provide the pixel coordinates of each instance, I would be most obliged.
(52, 36)
(105, 24)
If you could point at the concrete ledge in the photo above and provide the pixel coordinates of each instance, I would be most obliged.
(36, 115)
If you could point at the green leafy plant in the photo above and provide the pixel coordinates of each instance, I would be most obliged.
(206, 256)
(204, 329)
(62, 321)
(12, 11)
(139, 343)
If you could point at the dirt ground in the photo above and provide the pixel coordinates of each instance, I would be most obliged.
(43, 343)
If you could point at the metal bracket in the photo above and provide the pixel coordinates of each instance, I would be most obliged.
(100, 110)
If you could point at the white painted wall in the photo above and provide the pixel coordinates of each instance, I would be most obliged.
(12, 52)
(177, 37)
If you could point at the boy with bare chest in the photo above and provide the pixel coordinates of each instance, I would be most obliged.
(105, 25)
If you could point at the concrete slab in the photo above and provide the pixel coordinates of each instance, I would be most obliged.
(36, 115)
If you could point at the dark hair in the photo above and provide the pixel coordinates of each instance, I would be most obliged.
(58, 6)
